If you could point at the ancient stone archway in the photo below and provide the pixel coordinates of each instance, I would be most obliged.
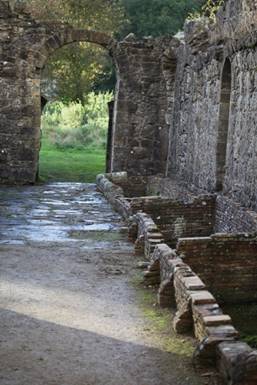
(26, 45)
(140, 127)
(65, 35)
(224, 113)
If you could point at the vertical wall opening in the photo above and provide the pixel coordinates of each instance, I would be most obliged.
(167, 139)
(77, 87)
(224, 115)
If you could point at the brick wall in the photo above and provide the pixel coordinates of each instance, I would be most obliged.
(177, 219)
(132, 186)
(197, 311)
(226, 263)
(231, 217)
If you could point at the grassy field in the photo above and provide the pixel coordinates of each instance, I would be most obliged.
(70, 165)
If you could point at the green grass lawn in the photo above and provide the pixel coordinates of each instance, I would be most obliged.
(70, 165)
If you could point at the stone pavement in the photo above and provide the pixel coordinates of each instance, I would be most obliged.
(70, 314)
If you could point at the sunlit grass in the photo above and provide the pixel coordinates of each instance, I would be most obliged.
(70, 165)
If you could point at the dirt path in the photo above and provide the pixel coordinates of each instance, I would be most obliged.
(70, 314)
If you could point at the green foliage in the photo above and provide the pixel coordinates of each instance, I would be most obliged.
(158, 17)
(75, 125)
(74, 139)
(76, 70)
(209, 9)
(250, 340)
(102, 15)
(79, 68)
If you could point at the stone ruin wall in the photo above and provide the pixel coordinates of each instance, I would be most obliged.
(25, 46)
(138, 141)
(218, 261)
(198, 111)
(194, 104)
(140, 125)
(167, 111)
(166, 121)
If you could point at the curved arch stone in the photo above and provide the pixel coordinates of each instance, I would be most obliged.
(61, 35)
(138, 127)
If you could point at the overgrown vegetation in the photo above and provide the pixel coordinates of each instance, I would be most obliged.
(75, 125)
(209, 10)
(74, 139)
(157, 17)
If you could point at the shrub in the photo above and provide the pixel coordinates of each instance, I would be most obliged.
(76, 125)
(209, 10)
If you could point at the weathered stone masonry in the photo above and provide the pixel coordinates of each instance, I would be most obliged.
(184, 107)
(213, 145)
(184, 130)
(138, 141)
(25, 46)
(211, 113)
(223, 263)
(141, 127)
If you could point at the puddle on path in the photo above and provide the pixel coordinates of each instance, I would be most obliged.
(55, 213)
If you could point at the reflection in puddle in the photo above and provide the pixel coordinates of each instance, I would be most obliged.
(56, 212)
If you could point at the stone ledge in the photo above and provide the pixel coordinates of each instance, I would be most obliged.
(179, 287)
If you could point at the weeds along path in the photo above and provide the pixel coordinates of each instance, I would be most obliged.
(71, 312)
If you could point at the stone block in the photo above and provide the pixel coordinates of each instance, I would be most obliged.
(215, 320)
(202, 297)
(194, 283)
(237, 363)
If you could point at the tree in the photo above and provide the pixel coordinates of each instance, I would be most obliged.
(78, 68)
(103, 15)
(158, 17)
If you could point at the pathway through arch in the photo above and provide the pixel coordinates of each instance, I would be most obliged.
(70, 313)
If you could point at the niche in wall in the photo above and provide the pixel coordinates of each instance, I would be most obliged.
(224, 113)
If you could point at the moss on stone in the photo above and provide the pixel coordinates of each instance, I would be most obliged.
(159, 321)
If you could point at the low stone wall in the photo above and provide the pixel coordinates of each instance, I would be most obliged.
(115, 195)
(198, 311)
(132, 186)
(187, 216)
(227, 264)
(175, 218)
(145, 233)
(223, 263)
(176, 209)
(140, 186)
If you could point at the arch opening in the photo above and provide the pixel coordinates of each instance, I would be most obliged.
(223, 126)
(76, 121)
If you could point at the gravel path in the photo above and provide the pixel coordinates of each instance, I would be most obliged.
(69, 312)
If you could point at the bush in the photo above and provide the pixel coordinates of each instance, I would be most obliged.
(75, 125)
(209, 10)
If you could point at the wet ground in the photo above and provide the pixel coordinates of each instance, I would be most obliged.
(70, 313)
